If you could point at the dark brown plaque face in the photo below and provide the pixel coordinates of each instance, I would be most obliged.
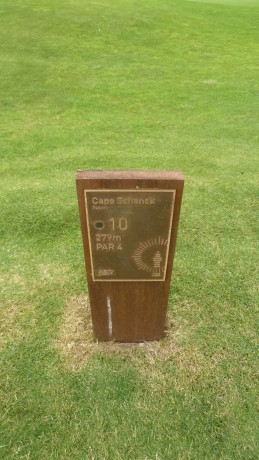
(129, 233)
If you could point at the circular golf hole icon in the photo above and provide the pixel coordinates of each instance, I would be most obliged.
(99, 225)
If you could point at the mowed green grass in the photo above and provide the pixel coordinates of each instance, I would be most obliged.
(126, 84)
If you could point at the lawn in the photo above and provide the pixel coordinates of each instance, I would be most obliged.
(127, 84)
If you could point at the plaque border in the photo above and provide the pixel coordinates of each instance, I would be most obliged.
(173, 191)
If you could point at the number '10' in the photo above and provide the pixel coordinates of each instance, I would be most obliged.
(120, 223)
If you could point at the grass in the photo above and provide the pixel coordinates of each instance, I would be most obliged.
(169, 84)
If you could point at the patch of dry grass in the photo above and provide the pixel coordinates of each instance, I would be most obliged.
(15, 321)
(76, 345)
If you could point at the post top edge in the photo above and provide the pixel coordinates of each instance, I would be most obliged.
(130, 174)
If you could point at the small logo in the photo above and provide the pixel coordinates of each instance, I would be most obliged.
(150, 256)
(105, 272)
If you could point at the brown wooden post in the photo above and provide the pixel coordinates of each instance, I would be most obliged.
(129, 222)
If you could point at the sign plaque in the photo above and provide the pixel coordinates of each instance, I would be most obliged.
(129, 224)
(129, 233)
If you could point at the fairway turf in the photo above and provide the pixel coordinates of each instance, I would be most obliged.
(122, 84)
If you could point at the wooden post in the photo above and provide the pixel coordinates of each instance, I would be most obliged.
(129, 222)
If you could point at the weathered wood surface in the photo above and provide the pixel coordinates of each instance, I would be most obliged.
(129, 311)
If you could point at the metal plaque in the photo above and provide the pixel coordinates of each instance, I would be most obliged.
(129, 233)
